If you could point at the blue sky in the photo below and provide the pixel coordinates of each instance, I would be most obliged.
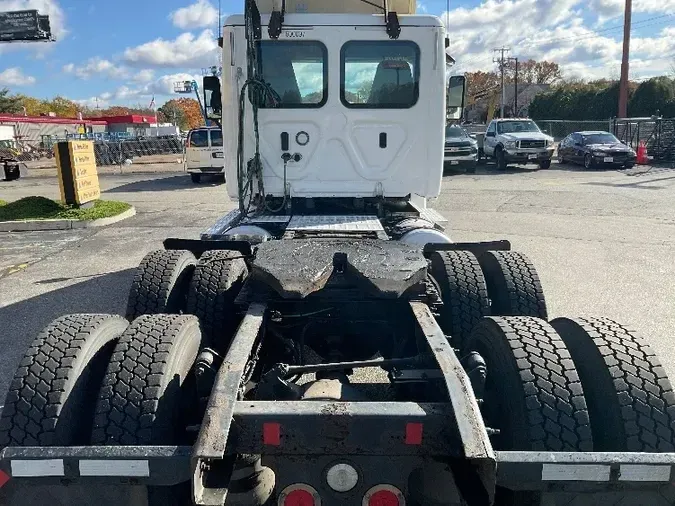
(124, 51)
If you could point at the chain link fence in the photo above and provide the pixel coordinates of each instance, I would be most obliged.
(559, 129)
(556, 128)
(108, 151)
(118, 152)
(658, 135)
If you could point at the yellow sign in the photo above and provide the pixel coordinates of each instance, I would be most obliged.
(78, 176)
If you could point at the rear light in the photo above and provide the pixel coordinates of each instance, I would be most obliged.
(299, 494)
(4, 478)
(383, 495)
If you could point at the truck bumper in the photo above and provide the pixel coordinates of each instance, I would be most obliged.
(560, 478)
(528, 155)
(461, 161)
(206, 170)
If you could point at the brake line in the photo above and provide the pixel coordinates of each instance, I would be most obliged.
(250, 173)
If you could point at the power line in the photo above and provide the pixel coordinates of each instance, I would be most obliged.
(534, 44)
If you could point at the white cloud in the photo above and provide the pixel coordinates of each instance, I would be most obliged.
(555, 31)
(97, 67)
(14, 76)
(143, 76)
(198, 15)
(185, 51)
(126, 94)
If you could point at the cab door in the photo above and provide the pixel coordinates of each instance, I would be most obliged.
(216, 149)
(198, 150)
(490, 141)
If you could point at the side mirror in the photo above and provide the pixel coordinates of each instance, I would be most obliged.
(490, 134)
(213, 104)
(456, 94)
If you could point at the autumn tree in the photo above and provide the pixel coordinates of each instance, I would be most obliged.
(170, 112)
(184, 111)
(481, 84)
(535, 72)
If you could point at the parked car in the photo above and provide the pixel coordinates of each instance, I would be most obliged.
(518, 141)
(204, 153)
(461, 150)
(595, 149)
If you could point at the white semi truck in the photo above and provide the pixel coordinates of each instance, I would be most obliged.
(235, 376)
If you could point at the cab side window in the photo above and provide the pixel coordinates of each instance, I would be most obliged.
(216, 138)
(199, 139)
(492, 127)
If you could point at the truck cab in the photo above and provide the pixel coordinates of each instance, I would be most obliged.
(349, 111)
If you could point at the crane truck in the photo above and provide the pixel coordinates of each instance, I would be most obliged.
(325, 342)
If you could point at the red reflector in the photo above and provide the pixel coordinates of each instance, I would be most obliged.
(272, 434)
(383, 498)
(4, 478)
(299, 498)
(413, 433)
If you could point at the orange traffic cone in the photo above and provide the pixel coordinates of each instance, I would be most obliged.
(642, 157)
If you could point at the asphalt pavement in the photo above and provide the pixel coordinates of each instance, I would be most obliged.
(603, 243)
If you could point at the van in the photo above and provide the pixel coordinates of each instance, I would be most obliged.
(204, 153)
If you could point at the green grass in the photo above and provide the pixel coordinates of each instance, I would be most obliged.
(40, 208)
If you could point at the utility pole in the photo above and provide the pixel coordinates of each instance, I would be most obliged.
(515, 95)
(623, 84)
(501, 62)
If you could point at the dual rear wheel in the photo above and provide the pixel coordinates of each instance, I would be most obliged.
(101, 380)
(580, 384)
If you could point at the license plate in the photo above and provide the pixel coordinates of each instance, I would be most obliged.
(218, 155)
(454, 162)
(609, 159)
(531, 157)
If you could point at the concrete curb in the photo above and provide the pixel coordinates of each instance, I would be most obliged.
(41, 225)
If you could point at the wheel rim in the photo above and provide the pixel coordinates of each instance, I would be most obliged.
(587, 161)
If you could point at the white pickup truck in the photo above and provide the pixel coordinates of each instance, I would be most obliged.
(517, 141)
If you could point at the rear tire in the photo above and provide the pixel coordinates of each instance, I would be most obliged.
(141, 396)
(513, 285)
(144, 398)
(52, 397)
(160, 283)
(218, 277)
(196, 178)
(463, 290)
(532, 394)
(631, 402)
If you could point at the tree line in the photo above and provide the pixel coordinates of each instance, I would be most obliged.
(182, 112)
(598, 100)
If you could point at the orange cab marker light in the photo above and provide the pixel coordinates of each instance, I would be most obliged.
(413, 433)
(272, 433)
